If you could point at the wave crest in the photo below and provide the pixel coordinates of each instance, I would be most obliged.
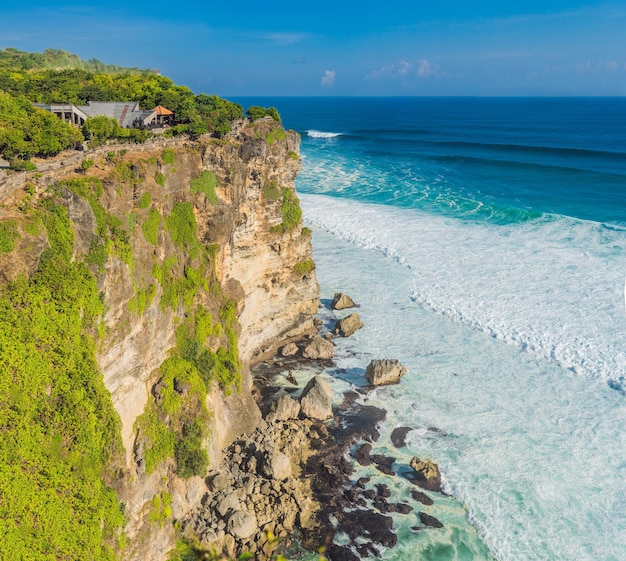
(321, 134)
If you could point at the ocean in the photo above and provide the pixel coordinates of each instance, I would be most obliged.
(485, 241)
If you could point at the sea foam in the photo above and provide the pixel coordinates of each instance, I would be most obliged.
(551, 286)
(536, 452)
(321, 134)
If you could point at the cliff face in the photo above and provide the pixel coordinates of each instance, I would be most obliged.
(203, 267)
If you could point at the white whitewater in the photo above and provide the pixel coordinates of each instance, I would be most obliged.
(510, 334)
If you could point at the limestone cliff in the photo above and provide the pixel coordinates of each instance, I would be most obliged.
(203, 267)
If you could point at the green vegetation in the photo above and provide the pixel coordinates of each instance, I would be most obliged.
(290, 209)
(255, 112)
(160, 178)
(294, 155)
(109, 227)
(13, 59)
(205, 183)
(26, 131)
(306, 232)
(271, 192)
(144, 200)
(151, 225)
(303, 268)
(60, 433)
(86, 164)
(61, 77)
(161, 509)
(143, 298)
(291, 213)
(8, 235)
(173, 424)
(102, 128)
(178, 289)
(182, 227)
(168, 156)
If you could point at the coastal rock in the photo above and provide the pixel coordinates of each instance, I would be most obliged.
(421, 497)
(276, 465)
(341, 302)
(429, 520)
(283, 409)
(398, 436)
(289, 349)
(362, 454)
(427, 474)
(228, 503)
(316, 399)
(242, 525)
(381, 372)
(348, 325)
(319, 349)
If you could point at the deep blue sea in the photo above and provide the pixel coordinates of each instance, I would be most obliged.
(485, 239)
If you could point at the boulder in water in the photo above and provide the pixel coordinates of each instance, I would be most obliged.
(341, 302)
(382, 372)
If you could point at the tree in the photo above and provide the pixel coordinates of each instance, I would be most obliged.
(256, 112)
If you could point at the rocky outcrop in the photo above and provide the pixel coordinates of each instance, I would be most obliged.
(427, 474)
(316, 399)
(341, 302)
(283, 408)
(255, 492)
(199, 252)
(348, 325)
(319, 349)
(384, 372)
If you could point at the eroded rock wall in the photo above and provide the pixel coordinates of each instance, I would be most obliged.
(250, 252)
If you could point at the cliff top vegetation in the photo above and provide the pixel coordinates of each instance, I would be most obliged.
(56, 76)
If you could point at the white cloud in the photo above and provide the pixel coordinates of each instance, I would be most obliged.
(404, 69)
(398, 70)
(328, 79)
(283, 38)
(609, 66)
(425, 69)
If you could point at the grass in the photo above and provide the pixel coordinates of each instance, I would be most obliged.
(205, 183)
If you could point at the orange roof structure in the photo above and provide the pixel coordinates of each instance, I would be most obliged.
(160, 110)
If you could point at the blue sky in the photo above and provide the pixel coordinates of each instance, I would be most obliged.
(275, 47)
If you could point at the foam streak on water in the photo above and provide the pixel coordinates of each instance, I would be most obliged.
(552, 286)
(535, 451)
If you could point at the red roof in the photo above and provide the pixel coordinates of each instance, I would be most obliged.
(160, 110)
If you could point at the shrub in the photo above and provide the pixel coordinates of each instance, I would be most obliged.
(150, 227)
(256, 112)
(60, 430)
(205, 183)
(290, 209)
(144, 200)
(168, 156)
(271, 192)
(303, 268)
(86, 164)
(160, 178)
(22, 165)
(181, 225)
(8, 235)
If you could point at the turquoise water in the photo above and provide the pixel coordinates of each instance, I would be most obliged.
(486, 242)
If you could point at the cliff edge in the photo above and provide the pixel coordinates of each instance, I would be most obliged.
(181, 263)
